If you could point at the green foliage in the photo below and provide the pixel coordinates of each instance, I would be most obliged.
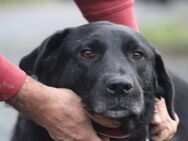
(167, 35)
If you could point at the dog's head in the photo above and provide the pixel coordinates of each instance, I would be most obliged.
(115, 71)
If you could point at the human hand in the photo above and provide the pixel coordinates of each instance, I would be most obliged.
(59, 111)
(64, 117)
(164, 127)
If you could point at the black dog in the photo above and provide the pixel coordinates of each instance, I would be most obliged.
(115, 71)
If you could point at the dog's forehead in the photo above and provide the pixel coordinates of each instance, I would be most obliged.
(107, 32)
(103, 32)
(104, 29)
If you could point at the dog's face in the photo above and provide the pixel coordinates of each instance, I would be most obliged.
(113, 69)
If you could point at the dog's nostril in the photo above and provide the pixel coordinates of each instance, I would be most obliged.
(127, 87)
(113, 87)
(117, 87)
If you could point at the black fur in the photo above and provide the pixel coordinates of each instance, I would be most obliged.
(110, 78)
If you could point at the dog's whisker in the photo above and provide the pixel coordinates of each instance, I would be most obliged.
(148, 97)
(149, 101)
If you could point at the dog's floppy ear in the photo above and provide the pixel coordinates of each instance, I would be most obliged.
(163, 84)
(46, 52)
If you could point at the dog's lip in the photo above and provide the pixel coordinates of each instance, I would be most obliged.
(117, 112)
(117, 108)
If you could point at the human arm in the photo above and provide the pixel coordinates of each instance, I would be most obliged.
(59, 111)
(51, 108)
(11, 79)
(117, 11)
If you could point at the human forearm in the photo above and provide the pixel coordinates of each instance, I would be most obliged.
(29, 98)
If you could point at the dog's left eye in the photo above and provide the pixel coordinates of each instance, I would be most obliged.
(137, 55)
(88, 53)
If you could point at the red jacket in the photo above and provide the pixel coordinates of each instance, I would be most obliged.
(118, 11)
(11, 79)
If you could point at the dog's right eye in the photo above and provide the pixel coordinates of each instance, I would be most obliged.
(88, 53)
(137, 55)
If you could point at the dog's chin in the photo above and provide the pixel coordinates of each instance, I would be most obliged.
(109, 126)
(104, 121)
(116, 114)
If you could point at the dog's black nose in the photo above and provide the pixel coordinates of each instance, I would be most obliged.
(119, 86)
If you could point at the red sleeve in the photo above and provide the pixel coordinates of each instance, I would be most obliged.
(117, 11)
(11, 79)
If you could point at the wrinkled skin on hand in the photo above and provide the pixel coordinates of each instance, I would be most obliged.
(55, 113)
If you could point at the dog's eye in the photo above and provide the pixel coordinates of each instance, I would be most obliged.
(137, 55)
(87, 53)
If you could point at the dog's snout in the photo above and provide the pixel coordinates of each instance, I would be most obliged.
(119, 86)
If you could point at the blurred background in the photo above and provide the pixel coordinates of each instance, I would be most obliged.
(24, 24)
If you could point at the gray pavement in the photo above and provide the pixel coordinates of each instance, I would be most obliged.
(23, 27)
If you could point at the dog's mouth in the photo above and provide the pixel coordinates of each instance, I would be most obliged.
(109, 121)
(109, 127)
(117, 112)
(110, 132)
